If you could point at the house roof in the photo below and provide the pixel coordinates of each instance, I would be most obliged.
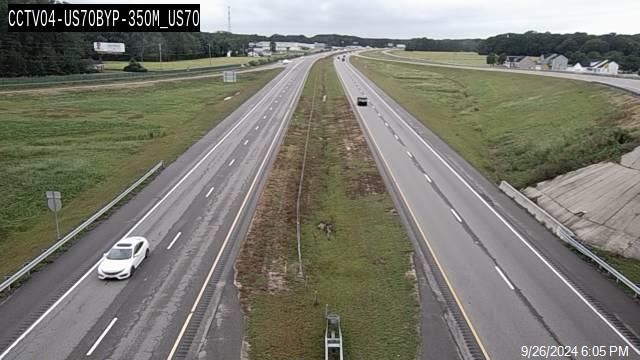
(515, 58)
(603, 63)
(548, 58)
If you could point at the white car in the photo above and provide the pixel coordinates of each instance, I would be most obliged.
(124, 258)
(286, 61)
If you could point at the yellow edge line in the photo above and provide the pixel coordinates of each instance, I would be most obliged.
(426, 241)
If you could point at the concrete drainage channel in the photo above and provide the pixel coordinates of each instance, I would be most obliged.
(565, 234)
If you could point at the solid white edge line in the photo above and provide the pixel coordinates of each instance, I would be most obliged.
(423, 235)
(209, 192)
(174, 239)
(427, 177)
(104, 333)
(235, 221)
(506, 223)
(232, 161)
(92, 269)
(456, 215)
(398, 138)
(504, 277)
(408, 152)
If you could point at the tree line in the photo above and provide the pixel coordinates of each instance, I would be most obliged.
(577, 47)
(426, 44)
(50, 53)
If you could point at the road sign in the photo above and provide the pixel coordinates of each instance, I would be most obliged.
(229, 76)
(54, 201)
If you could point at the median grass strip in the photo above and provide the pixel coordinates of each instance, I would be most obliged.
(91, 144)
(356, 257)
(514, 127)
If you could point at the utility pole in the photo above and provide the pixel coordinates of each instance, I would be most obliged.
(209, 54)
(160, 51)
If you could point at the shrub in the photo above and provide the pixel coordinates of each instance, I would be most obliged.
(134, 66)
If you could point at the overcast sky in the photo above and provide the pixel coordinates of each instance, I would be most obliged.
(415, 18)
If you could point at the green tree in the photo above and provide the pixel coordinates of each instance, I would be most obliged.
(491, 59)
(501, 58)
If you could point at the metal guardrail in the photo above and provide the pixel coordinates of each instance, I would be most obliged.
(33, 263)
(566, 235)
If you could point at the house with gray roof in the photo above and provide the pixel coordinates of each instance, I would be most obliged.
(555, 62)
(520, 62)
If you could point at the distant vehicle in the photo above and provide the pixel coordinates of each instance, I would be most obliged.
(124, 258)
(362, 101)
(343, 58)
(286, 61)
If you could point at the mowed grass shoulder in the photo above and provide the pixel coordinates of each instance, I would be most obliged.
(181, 64)
(449, 57)
(91, 144)
(355, 253)
(514, 127)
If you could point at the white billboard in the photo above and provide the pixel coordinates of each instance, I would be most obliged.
(108, 48)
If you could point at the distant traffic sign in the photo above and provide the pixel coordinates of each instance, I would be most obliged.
(54, 200)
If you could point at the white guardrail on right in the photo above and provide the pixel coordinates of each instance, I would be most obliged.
(33, 263)
(564, 233)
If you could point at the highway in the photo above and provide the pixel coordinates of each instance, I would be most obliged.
(512, 284)
(181, 303)
(627, 84)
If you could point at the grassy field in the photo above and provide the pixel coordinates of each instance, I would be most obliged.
(182, 64)
(91, 144)
(519, 128)
(629, 267)
(360, 268)
(460, 58)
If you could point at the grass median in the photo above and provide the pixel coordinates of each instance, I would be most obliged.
(356, 257)
(91, 144)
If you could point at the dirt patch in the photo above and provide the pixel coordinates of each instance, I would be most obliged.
(363, 176)
(262, 264)
(628, 114)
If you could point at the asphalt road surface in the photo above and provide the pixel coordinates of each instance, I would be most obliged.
(181, 303)
(513, 284)
(631, 85)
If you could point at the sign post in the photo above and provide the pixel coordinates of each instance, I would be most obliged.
(54, 201)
